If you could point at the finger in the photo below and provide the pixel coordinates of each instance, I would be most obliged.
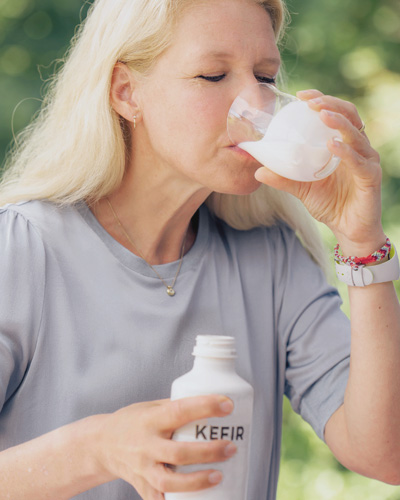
(166, 480)
(147, 491)
(153, 494)
(349, 132)
(345, 108)
(180, 412)
(305, 95)
(185, 453)
(361, 166)
(270, 178)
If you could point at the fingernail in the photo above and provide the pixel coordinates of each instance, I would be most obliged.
(215, 477)
(259, 173)
(328, 113)
(318, 100)
(305, 92)
(337, 141)
(226, 406)
(230, 450)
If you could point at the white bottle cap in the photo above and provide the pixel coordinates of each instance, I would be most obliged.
(215, 346)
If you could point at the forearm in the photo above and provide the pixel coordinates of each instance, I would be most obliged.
(372, 399)
(364, 433)
(59, 464)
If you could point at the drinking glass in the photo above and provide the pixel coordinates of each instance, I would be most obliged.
(282, 132)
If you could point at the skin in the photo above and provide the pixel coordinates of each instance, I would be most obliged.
(180, 154)
(348, 201)
(362, 433)
(162, 189)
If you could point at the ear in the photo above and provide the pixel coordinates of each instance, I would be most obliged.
(122, 93)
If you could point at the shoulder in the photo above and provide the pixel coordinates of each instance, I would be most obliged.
(48, 220)
(22, 267)
(277, 241)
(37, 212)
(275, 247)
(21, 240)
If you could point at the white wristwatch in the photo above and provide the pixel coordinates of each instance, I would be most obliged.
(368, 275)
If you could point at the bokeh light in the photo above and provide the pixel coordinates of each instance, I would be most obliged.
(345, 48)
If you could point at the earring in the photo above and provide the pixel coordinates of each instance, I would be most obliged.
(134, 122)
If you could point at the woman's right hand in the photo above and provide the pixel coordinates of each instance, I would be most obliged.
(135, 443)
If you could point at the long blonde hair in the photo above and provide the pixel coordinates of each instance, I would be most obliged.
(76, 147)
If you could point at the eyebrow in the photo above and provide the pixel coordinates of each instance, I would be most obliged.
(228, 55)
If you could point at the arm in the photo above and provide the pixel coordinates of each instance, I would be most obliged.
(364, 433)
(56, 465)
(133, 443)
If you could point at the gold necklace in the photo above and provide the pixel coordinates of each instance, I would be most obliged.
(170, 288)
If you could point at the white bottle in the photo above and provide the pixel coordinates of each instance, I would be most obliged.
(214, 373)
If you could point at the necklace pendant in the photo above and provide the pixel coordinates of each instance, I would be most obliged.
(170, 291)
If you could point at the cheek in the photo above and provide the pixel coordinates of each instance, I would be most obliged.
(208, 110)
(189, 119)
(191, 107)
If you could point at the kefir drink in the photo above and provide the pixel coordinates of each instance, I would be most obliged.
(282, 133)
(295, 144)
(214, 373)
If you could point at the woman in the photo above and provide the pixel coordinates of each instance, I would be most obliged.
(127, 249)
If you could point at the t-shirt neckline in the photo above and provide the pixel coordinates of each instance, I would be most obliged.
(139, 265)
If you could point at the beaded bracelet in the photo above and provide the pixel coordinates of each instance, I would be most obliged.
(355, 262)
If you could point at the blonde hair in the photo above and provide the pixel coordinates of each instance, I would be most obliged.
(77, 145)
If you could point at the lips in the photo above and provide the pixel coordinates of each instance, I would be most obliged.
(240, 151)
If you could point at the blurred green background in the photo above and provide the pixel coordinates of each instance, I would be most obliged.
(350, 49)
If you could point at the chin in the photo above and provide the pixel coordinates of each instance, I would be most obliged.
(241, 187)
(233, 177)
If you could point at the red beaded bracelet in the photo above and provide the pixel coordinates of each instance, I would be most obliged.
(354, 262)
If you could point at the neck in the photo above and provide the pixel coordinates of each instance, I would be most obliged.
(156, 212)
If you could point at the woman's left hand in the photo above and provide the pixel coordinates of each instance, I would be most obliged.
(349, 200)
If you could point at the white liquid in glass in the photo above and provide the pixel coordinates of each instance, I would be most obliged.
(295, 144)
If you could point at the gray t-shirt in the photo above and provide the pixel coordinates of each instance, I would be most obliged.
(86, 327)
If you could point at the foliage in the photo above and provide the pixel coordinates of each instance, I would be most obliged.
(348, 49)
(310, 472)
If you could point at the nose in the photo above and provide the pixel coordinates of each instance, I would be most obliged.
(244, 80)
(251, 111)
(257, 95)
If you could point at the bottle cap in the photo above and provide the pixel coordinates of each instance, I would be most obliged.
(215, 346)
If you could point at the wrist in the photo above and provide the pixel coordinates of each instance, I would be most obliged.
(379, 267)
(92, 441)
(60, 464)
(363, 247)
(80, 440)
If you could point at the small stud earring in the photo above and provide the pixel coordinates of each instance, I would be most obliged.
(134, 122)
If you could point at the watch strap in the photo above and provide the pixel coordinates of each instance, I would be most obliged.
(368, 275)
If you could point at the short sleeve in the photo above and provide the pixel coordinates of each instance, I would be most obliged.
(22, 282)
(316, 336)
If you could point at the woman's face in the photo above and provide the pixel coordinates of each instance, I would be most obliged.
(219, 47)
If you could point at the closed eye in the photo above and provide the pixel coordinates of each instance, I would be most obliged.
(266, 79)
(218, 78)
